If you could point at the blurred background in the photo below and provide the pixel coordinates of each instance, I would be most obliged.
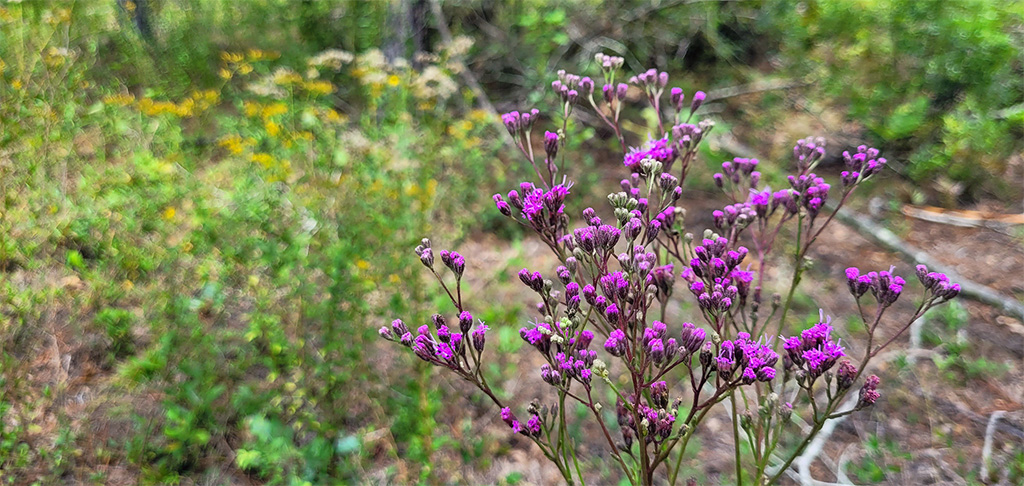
(210, 206)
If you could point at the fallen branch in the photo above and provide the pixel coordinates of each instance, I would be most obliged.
(968, 219)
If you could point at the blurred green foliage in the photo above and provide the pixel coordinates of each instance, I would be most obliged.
(939, 83)
(213, 205)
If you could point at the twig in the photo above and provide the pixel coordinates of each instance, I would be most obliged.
(986, 450)
(803, 463)
(841, 476)
(915, 337)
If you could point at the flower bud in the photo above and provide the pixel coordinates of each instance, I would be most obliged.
(706, 355)
(656, 349)
(427, 257)
(479, 336)
(869, 392)
(698, 99)
(587, 85)
(612, 313)
(551, 144)
(845, 376)
(620, 91)
(465, 321)
(676, 97)
(659, 394)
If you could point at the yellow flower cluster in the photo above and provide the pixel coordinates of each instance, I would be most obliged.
(241, 63)
(120, 99)
(277, 169)
(197, 103)
(265, 111)
(463, 131)
(236, 144)
(318, 87)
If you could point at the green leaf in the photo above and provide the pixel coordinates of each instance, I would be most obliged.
(247, 459)
(76, 260)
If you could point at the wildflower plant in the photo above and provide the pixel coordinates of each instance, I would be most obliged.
(603, 327)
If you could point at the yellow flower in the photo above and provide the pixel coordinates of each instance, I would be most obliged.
(251, 108)
(244, 69)
(362, 264)
(319, 87)
(263, 159)
(129, 6)
(169, 213)
(479, 115)
(16, 84)
(333, 115)
(274, 109)
(394, 80)
(233, 144)
(224, 73)
(273, 129)
(120, 99)
(232, 57)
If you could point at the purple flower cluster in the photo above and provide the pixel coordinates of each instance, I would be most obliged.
(814, 351)
(596, 237)
(752, 360)
(656, 422)
(737, 170)
(808, 151)
(540, 334)
(568, 366)
(533, 280)
(519, 123)
(811, 190)
(446, 348)
(662, 351)
(863, 164)
(651, 80)
(659, 150)
(937, 283)
(454, 261)
(662, 278)
(532, 428)
(689, 135)
(544, 209)
(739, 215)
(566, 91)
(884, 285)
(715, 264)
